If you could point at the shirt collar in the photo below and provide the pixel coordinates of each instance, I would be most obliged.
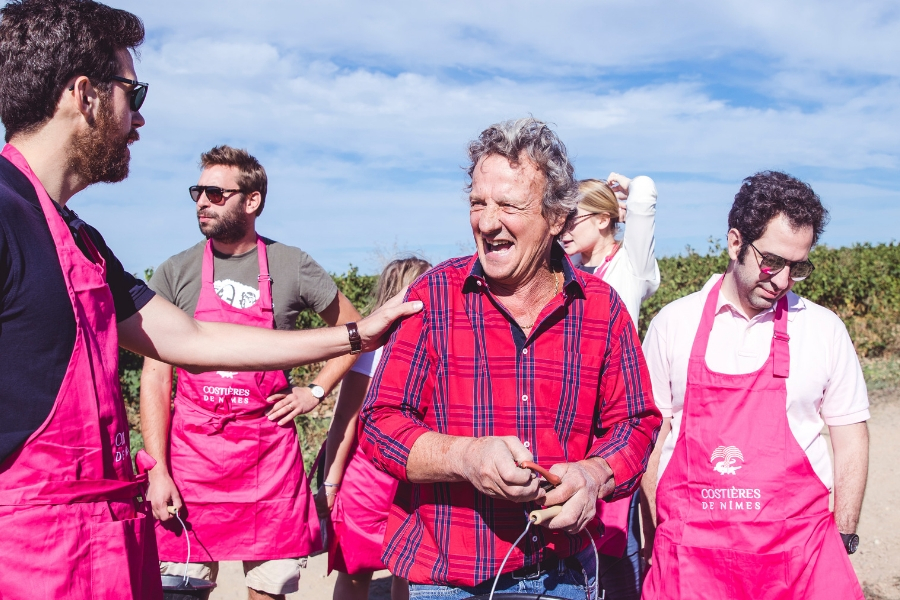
(795, 304)
(573, 283)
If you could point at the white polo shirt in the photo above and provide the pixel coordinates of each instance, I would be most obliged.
(825, 385)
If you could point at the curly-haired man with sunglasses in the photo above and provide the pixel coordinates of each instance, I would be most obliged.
(72, 526)
(746, 373)
(235, 463)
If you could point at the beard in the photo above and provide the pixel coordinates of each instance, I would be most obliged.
(100, 154)
(227, 227)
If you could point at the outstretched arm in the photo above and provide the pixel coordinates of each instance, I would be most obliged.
(164, 332)
(300, 400)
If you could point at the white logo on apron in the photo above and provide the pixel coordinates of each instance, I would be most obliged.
(226, 374)
(728, 454)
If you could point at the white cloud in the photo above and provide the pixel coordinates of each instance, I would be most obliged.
(361, 111)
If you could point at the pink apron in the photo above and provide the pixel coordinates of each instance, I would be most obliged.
(359, 517)
(742, 514)
(71, 526)
(240, 475)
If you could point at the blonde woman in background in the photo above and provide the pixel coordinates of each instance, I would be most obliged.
(355, 495)
(628, 264)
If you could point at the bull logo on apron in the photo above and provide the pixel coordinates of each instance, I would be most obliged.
(728, 454)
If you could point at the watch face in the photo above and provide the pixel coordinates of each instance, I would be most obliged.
(317, 391)
(851, 542)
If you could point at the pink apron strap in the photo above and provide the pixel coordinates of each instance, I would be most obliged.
(701, 340)
(207, 273)
(265, 280)
(602, 269)
(781, 349)
(89, 243)
(58, 228)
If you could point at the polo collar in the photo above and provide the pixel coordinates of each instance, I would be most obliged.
(795, 304)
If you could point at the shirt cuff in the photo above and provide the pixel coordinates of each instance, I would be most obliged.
(392, 451)
(856, 417)
(621, 473)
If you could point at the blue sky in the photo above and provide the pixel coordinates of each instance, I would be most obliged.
(361, 113)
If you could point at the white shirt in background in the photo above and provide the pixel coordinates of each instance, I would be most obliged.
(367, 363)
(633, 271)
(825, 385)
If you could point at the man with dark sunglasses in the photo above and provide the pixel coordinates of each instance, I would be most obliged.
(746, 373)
(233, 489)
(71, 523)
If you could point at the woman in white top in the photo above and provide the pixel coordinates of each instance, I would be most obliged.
(628, 264)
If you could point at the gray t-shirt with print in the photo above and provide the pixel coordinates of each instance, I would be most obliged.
(298, 282)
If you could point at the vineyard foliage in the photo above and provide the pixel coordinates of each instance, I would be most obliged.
(860, 283)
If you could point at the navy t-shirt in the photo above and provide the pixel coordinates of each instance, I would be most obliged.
(37, 324)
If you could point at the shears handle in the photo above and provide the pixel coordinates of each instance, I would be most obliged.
(538, 517)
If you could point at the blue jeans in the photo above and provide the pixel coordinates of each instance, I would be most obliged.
(562, 582)
(621, 576)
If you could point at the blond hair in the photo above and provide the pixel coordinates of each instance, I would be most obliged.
(398, 274)
(597, 198)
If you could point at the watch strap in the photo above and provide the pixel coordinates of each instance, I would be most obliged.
(851, 542)
(355, 339)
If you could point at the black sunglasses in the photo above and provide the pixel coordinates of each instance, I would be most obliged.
(138, 92)
(214, 193)
(772, 264)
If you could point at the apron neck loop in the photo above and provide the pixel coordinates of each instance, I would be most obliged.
(208, 272)
(782, 353)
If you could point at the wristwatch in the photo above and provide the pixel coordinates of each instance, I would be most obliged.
(317, 391)
(851, 542)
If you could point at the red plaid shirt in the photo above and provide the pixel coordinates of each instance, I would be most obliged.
(576, 387)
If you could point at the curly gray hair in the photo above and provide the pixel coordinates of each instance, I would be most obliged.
(542, 146)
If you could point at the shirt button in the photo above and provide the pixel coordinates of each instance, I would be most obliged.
(534, 539)
(478, 281)
(524, 350)
(526, 444)
(524, 398)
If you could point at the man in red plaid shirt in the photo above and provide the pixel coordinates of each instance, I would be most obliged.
(517, 356)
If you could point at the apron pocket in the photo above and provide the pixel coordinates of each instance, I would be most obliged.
(725, 573)
(210, 466)
(117, 559)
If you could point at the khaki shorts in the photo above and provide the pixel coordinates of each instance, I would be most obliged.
(274, 577)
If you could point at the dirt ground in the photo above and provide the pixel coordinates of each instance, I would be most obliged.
(877, 562)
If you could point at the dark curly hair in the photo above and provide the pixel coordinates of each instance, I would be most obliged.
(45, 43)
(766, 195)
